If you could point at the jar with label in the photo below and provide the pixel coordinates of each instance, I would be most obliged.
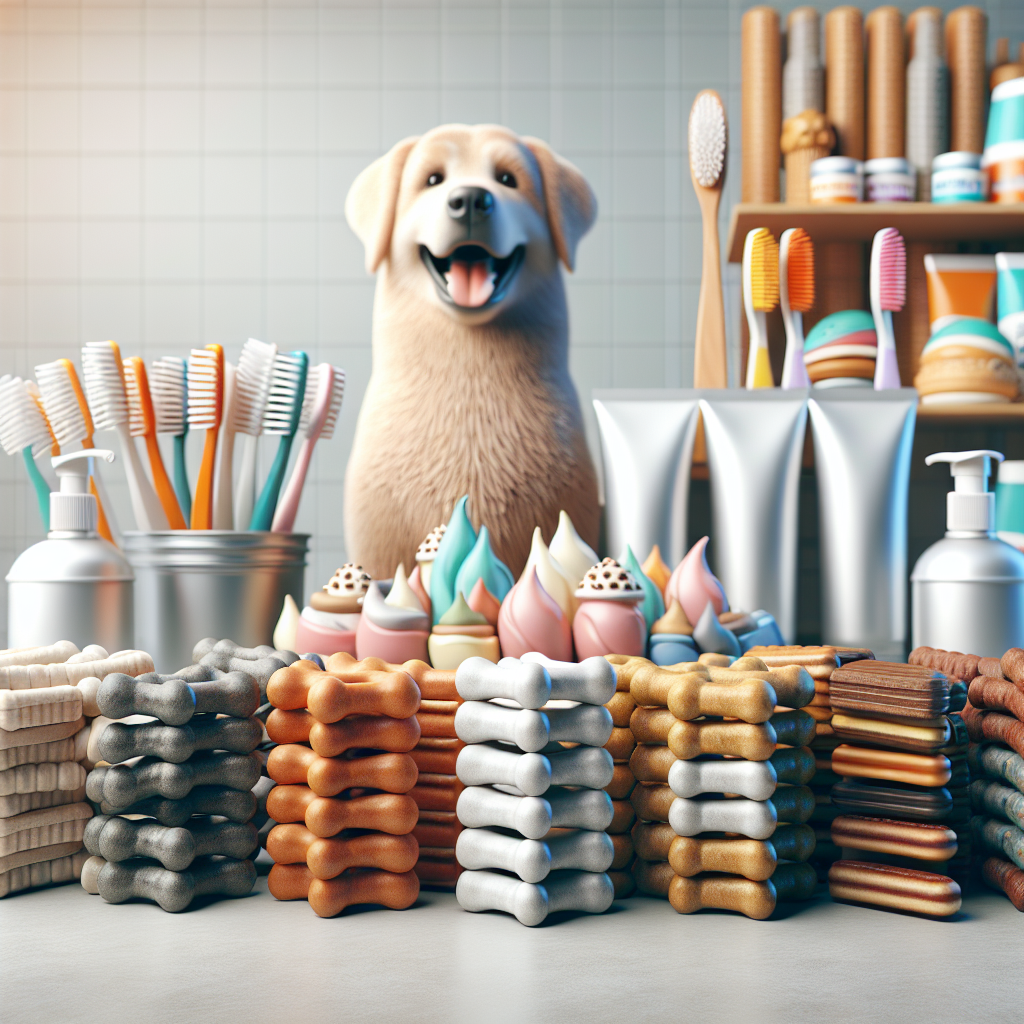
(1003, 160)
(958, 178)
(837, 179)
(890, 179)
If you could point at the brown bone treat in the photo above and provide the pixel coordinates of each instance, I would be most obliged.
(623, 817)
(622, 782)
(289, 881)
(626, 667)
(649, 684)
(436, 725)
(363, 732)
(441, 828)
(755, 900)
(440, 762)
(651, 763)
(750, 700)
(1012, 664)
(792, 684)
(991, 667)
(289, 726)
(621, 744)
(621, 707)
(1001, 874)
(651, 725)
(990, 725)
(393, 813)
(292, 764)
(329, 897)
(714, 660)
(623, 846)
(434, 683)
(687, 740)
(651, 801)
(988, 694)
(652, 840)
(328, 858)
(347, 688)
(653, 877)
(691, 856)
(623, 883)
(289, 843)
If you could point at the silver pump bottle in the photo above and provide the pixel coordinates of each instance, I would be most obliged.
(968, 588)
(74, 585)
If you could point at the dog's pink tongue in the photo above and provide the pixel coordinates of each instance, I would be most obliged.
(470, 284)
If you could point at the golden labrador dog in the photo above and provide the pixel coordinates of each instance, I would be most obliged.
(470, 392)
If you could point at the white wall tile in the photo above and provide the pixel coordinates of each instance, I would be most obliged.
(53, 184)
(232, 187)
(172, 186)
(111, 120)
(233, 120)
(110, 186)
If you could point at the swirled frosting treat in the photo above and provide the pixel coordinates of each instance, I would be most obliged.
(344, 592)
(656, 570)
(609, 619)
(671, 641)
(570, 550)
(462, 633)
(394, 628)
(328, 623)
(532, 620)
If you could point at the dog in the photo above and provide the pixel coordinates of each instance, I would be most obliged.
(470, 391)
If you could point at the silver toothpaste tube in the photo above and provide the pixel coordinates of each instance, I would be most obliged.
(755, 443)
(862, 449)
(647, 449)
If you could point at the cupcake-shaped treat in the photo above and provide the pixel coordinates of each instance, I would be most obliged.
(840, 350)
(462, 633)
(609, 619)
(394, 628)
(671, 640)
(532, 620)
(967, 361)
(694, 585)
(328, 623)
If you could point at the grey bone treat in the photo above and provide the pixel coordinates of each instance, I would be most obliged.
(480, 679)
(123, 785)
(117, 839)
(531, 859)
(530, 730)
(531, 903)
(227, 656)
(220, 800)
(174, 701)
(172, 890)
(534, 816)
(190, 673)
(1000, 837)
(261, 791)
(1001, 801)
(532, 773)
(997, 763)
(753, 779)
(177, 743)
(591, 681)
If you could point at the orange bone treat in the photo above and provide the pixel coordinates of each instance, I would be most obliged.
(289, 726)
(364, 732)
(327, 858)
(651, 802)
(434, 683)
(623, 817)
(289, 881)
(324, 816)
(292, 764)
(289, 843)
(347, 688)
(329, 897)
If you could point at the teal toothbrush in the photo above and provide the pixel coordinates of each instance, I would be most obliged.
(281, 417)
(23, 428)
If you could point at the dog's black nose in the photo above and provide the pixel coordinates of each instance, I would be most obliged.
(469, 203)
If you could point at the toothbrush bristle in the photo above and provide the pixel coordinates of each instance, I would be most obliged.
(287, 392)
(892, 263)
(764, 271)
(205, 387)
(140, 411)
(337, 394)
(22, 423)
(329, 418)
(309, 397)
(800, 271)
(37, 396)
(104, 384)
(708, 137)
(167, 385)
(60, 402)
(252, 386)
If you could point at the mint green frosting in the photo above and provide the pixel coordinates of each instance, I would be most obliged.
(966, 327)
(483, 564)
(458, 540)
(654, 604)
(838, 325)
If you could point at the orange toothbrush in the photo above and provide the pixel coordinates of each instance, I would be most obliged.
(205, 410)
(796, 297)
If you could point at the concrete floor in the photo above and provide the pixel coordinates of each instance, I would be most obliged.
(67, 957)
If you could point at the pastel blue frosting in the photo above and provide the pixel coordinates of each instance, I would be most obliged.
(971, 325)
(836, 326)
(456, 544)
(654, 604)
(482, 564)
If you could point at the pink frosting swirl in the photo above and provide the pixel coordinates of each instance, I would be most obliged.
(531, 620)
(693, 584)
(609, 627)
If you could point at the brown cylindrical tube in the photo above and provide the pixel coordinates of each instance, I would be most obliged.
(330, 897)
(844, 79)
(911, 25)
(439, 793)
(436, 761)
(436, 725)
(966, 43)
(761, 119)
(886, 82)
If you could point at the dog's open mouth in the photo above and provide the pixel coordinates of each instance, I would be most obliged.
(471, 277)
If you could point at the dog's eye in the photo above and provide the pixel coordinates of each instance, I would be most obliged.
(507, 178)
(435, 179)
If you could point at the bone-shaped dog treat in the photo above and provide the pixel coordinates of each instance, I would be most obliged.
(533, 860)
(53, 752)
(1002, 801)
(174, 702)
(259, 662)
(621, 706)
(176, 744)
(533, 773)
(531, 903)
(651, 763)
(991, 725)
(1001, 874)
(998, 763)
(329, 897)
(121, 786)
(650, 685)
(220, 800)
(172, 890)
(623, 815)
(754, 859)
(365, 732)
(24, 709)
(753, 818)
(652, 801)
(991, 667)
(591, 681)
(529, 685)
(756, 900)
(756, 780)
(653, 877)
(51, 654)
(988, 694)
(750, 700)
(330, 699)
(622, 782)
(46, 827)
(687, 740)
(651, 725)
(533, 816)
(434, 683)
(621, 745)
(393, 813)
(117, 839)
(328, 858)
(1012, 664)
(652, 840)
(480, 722)
(42, 778)
(24, 677)
(261, 791)
(292, 764)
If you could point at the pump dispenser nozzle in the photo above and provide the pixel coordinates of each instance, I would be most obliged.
(970, 507)
(73, 509)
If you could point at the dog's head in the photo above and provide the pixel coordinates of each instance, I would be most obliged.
(473, 218)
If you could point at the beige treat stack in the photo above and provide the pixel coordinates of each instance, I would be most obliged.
(621, 747)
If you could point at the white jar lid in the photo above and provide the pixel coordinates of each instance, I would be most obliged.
(957, 158)
(836, 165)
(887, 165)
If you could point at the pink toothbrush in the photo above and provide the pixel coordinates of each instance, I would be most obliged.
(321, 402)
(888, 294)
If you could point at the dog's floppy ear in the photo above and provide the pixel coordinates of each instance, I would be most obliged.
(370, 204)
(571, 203)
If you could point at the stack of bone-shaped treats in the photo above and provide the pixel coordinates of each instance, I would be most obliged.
(178, 777)
(534, 809)
(621, 745)
(43, 758)
(344, 774)
(722, 761)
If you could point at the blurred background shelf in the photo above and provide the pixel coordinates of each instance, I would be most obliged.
(981, 415)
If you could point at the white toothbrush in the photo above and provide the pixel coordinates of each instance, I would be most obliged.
(253, 377)
(223, 514)
(24, 431)
(170, 406)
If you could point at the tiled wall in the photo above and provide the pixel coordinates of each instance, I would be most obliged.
(174, 173)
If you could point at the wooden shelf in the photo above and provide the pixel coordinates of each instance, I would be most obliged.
(982, 415)
(858, 222)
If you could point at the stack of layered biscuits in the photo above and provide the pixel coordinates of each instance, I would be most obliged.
(621, 746)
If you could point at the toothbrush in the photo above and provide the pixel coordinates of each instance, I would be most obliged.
(796, 297)
(205, 411)
(223, 516)
(281, 417)
(888, 293)
(23, 429)
(67, 410)
(169, 390)
(252, 388)
(37, 396)
(142, 423)
(108, 403)
(325, 388)
(760, 296)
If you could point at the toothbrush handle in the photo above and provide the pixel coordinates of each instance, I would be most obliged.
(223, 516)
(288, 506)
(794, 371)
(41, 486)
(181, 487)
(106, 509)
(149, 515)
(202, 507)
(887, 371)
(263, 515)
(759, 370)
(245, 494)
(164, 490)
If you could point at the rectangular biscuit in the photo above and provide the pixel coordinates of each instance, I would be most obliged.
(890, 673)
(820, 662)
(37, 753)
(46, 827)
(48, 872)
(23, 858)
(39, 733)
(42, 778)
(19, 803)
(23, 709)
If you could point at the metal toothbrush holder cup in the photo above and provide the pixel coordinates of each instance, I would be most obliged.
(191, 584)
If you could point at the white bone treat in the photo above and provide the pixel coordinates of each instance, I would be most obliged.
(40, 753)
(25, 677)
(53, 654)
(756, 780)
(42, 778)
(531, 859)
(532, 773)
(591, 681)
(479, 679)
(91, 652)
(534, 816)
(19, 803)
(36, 734)
(531, 903)
(48, 872)
(46, 827)
(24, 709)
(752, 818)
(531, 730)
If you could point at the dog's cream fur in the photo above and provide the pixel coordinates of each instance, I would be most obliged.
(468, 401)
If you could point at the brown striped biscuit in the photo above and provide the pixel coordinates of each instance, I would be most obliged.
(894, 888)
(898, 838)
(891, 766)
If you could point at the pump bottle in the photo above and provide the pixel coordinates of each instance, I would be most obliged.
(967, 590)
(74, 585)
